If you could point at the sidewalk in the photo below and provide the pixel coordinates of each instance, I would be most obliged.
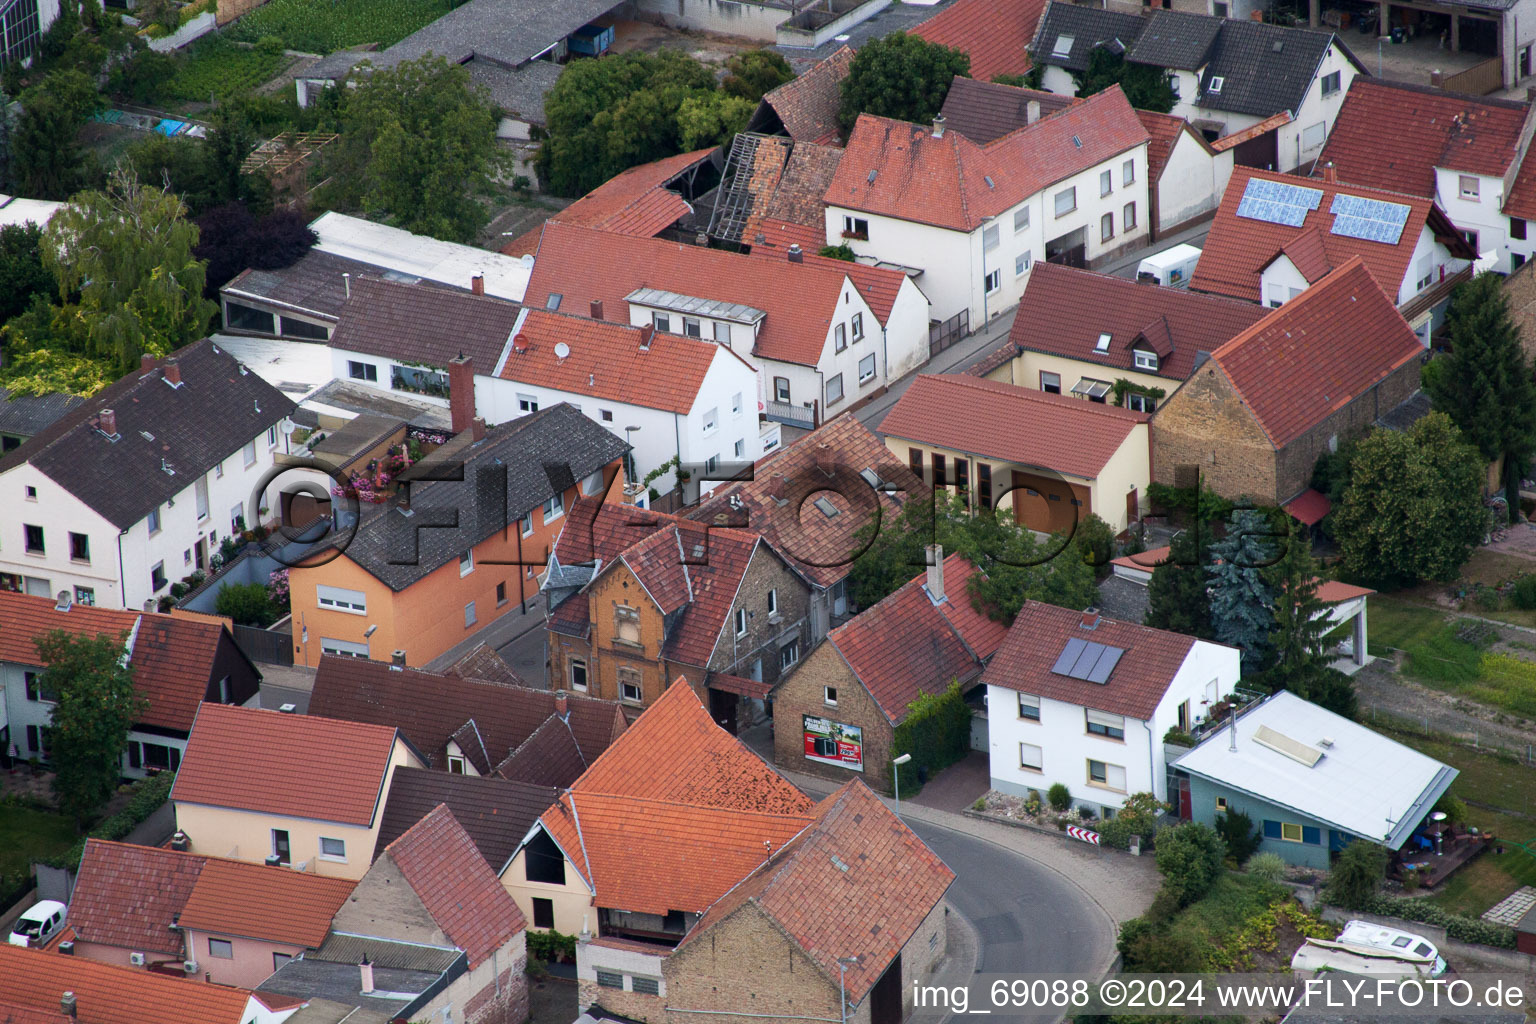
(513, 624)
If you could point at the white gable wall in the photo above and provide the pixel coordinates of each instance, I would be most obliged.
(1192, 182)
(1301, 141)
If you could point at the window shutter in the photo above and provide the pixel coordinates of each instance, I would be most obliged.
(1311, 836)
(1271, 830)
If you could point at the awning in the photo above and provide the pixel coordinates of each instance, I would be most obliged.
(1091, 388)
(738, 685)
(1308, 507)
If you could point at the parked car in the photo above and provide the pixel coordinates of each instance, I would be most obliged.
(41, 922)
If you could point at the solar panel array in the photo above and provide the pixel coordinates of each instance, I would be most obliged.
(1088, 661)
(1369, 219)
(1278, 202)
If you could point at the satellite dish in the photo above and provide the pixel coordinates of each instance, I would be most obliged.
(562, 350)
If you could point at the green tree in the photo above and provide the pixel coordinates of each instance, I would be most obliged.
(1237, 831)
(46, 159)
(900, 76)
(22, 274)
(748, 75)
(1300, 627)
(164, 13)
(418, 149)
(1176, 596)
(91, 683)
(1485, 384)
(1357, 875)
(1145, 87)
(246, 603)
(1413, 509)
(711, 119)
(1240, 596)
(1191, 857)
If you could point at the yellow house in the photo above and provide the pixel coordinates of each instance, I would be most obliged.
(275, 788)
(1050, 459)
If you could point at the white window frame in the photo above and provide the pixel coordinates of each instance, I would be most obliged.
(662, 322)
(865, 378)
(1047, 377)
(466, 564)
(722, 333)
(1137, 402)
(836, 379)
(1128, 173)
(471, 616)
(1070, 195)
(1112, 773)
(1107, 227)
(736, 404)
(1022, 262)
(1471, 194)
(271, 438)
(1144, 359)
(1106, 721)
(353, 602)
(249, 452)
(773, 601)
(839, 338)
(1128, 217)
(692, 328)
(789, 655)
(1332, 82)
(625, 695)
(554, 508)
(1031, 752)
(1106, 182)
(368, 373)
(829, 696)
(993, 281)
(741, 622)
(1021, 219)
(335, 858)
(527, 403)
(711, 420)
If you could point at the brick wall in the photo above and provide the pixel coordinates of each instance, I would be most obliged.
(803, 693)
(634, 1005)
(1206, 425)
(1520, 288)
(735, 655)
(614, 588)
(510, 1005)
(922, 953)
(747, 965)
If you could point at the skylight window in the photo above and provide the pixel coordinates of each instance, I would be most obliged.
(1063, 46)
(870, 477)
(553, 302)
(1077, 142)
(1216, 83)
(827, 508)
(1102, 345)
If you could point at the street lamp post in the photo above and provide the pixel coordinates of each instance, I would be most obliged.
(896, 777)
(842, 986)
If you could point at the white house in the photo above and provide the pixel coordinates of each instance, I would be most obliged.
(822, 333)
(418, 256)
(135, 488)
(1069, 187)
(1227, 75)
(1078, 699)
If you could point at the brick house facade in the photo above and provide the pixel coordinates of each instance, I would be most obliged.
(1254, 418)
(804, 695)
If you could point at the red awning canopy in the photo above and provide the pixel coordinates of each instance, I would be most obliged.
(1308, 507)
(738, 685)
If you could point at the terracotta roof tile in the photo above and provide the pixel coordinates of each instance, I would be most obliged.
(856, 883)
(1004, 421)
(803, 183)
(1316, 353)
(572, 617)
(1237, 249)
(1139, 680)
(1308, 507)
(1309, 253)
(807, 106)
(774, 236)
(266, 761)
(549, 757)
(496, 813)
(1392, 136)
(1521, 201)
(760, 181)
(258, 902)
(483, 663)
(676, 753)
(800, 299)
(939, 643)
(714, 584)
(1164, 130)
(943, 181)
(108, 994)
(995, 33)
(441, 864)
(1064, 311)
(985, 111)
(659, 562)
(126, 895)
(428, 708)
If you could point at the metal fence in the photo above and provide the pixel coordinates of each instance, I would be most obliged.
(265, 645)
(944, 333)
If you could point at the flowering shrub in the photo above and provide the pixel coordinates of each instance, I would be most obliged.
(277, 587)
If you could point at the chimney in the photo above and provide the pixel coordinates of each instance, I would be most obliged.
(146, 362)
(346, 282)
(477, 284)
(776, 487)
(938, 126)
(935, 554)
(1031, 111)
(562, 704)
(461, 392)
(64, 601)
(108, 421)
(172, 371)
(478, 427)
(366, 967)
(597, 309)
(701, 239)
(1330, 173)
(646, 334)
(825, 460)
(69, 1004)
(1090, 618)
(397, 660)
(795, 253)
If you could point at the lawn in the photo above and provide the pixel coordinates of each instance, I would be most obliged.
(1452, 655)
(31, 835)
(1396, 623)
(215, 67)
(323, 26)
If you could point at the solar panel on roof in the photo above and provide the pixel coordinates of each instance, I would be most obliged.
(1105, 665)
(1069, 656)
(1278, 202)
(1086, 660)
(1084, 663)
(1369, 219)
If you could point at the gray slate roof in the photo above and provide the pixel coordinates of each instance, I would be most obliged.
(313, 283)
(1088, 27)
(1175, 39)
(1258, 79)
(984, 111)
(421, 323)
(495, 812)
(25, 415)
(218, 408)
(519, 91)
(544, 453)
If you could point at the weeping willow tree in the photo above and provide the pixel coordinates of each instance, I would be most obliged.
(127, 284)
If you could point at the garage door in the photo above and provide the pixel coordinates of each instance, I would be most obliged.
(1047, 504)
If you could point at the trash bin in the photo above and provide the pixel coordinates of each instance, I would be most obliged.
(922, 775)
(1399, 34)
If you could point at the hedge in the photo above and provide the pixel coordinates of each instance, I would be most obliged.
(552, 945)
(936, 732)
(148, 794)
(1457, 926)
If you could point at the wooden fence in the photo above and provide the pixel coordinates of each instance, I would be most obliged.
(1478, 80)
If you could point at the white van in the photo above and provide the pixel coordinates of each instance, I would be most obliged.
(41, 922)
(1372, 949)
(1171, 268)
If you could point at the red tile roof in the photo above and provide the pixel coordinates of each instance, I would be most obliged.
(1036, 639)
(1309, 507)
(676, 753)
(658, 562)
(1237, 249)
(1064, 310)
(820, 548)
(1332, 591)
(439, 861)
(857, 883)
(1164, 131)
(799, 299)
(878, 285)
(605, 360)
(996, 33)
(269, 762)
(1521, 200)
(1392, 136)
(1253, 131)
(600, 530)
(807, 106)
(1317, 353)
(715, 581)
(778, 235)
(34, 979)
(943, 181)
(1004, 421)
(127, 895)
(939, 643)
(657, 856)
(258, 902)
(172, 660)
(634, 202)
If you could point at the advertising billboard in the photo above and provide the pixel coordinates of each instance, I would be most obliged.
(834, 743)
